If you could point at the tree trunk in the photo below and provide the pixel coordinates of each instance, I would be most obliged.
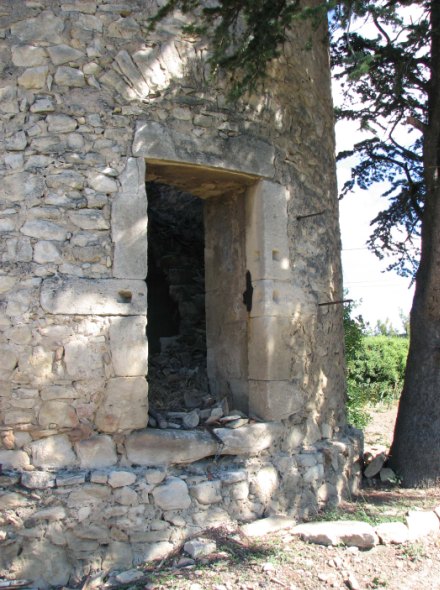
(415, 452)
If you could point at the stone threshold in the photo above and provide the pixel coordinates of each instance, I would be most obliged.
(152, 447)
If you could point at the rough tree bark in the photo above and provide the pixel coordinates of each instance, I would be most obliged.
(415, 452)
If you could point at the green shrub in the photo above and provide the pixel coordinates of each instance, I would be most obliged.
(375, 368)
(378, 367)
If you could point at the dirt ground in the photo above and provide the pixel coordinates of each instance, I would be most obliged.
(283, 561)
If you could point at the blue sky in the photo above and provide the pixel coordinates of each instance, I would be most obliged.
(380, 294)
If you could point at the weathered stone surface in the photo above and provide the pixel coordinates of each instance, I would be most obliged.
(61, 54)
(160, 447)
(21, 186)
(124, 406)
(172, 495)
(102, 183)
(60, 123)
(392, 533)
(96, 452)
(275, 400)
(131, 72)
(350, 533)
(45, 251)
(208, 492)
(129, 222)
(12, 500)
(199, 547)
(14, 459)
(57, 413)
(90, 297)
(89, 219)
(265, 483)
(191, 419)
(28, 56)
(152, 552)
(16, 142)
(6, 283)
(52, 452)
(46, 27)
(118, 479)
(66, 76)
(129, 346)
(250, 439)
(126, 496)
(246, 154)
(129, 576)
(8, 99)
(119, 556)
(421, 524)
(42, 105)
(36, 480)
(265, 526)
(155, 476)
(52, 514)
(35, 364)
(8, 358)
(53, 570)
(70, 479)
(374, 467)
(83, 358)
(66, 178)
(273, 364)
(34, 77)
(45, 230)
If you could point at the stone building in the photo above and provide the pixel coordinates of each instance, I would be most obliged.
(133, 194)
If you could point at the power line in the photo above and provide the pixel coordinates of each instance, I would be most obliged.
(352, 249)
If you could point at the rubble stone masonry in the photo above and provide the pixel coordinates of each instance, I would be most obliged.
(92, 105)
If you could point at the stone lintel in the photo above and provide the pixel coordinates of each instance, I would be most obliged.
(245, 154)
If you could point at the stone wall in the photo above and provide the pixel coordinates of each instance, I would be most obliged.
(59, 526)
(92, 105)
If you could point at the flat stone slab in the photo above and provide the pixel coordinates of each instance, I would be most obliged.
(199, 547)
(422, 524)
(394, 533)
(351, 533)
(94, 296)
(172, 447)
(265, 526)
(250, 439)
(168, 447)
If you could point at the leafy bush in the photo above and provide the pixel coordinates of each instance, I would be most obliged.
(375, 368)
(378, 367)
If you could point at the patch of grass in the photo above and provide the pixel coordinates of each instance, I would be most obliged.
(368, 513)
(414, 551)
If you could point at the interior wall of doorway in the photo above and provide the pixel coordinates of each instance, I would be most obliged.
(197, 275)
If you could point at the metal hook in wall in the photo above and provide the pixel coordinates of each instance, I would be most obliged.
(299, 217)
(340, 301)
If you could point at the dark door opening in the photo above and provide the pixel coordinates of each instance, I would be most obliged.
(176, 299)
